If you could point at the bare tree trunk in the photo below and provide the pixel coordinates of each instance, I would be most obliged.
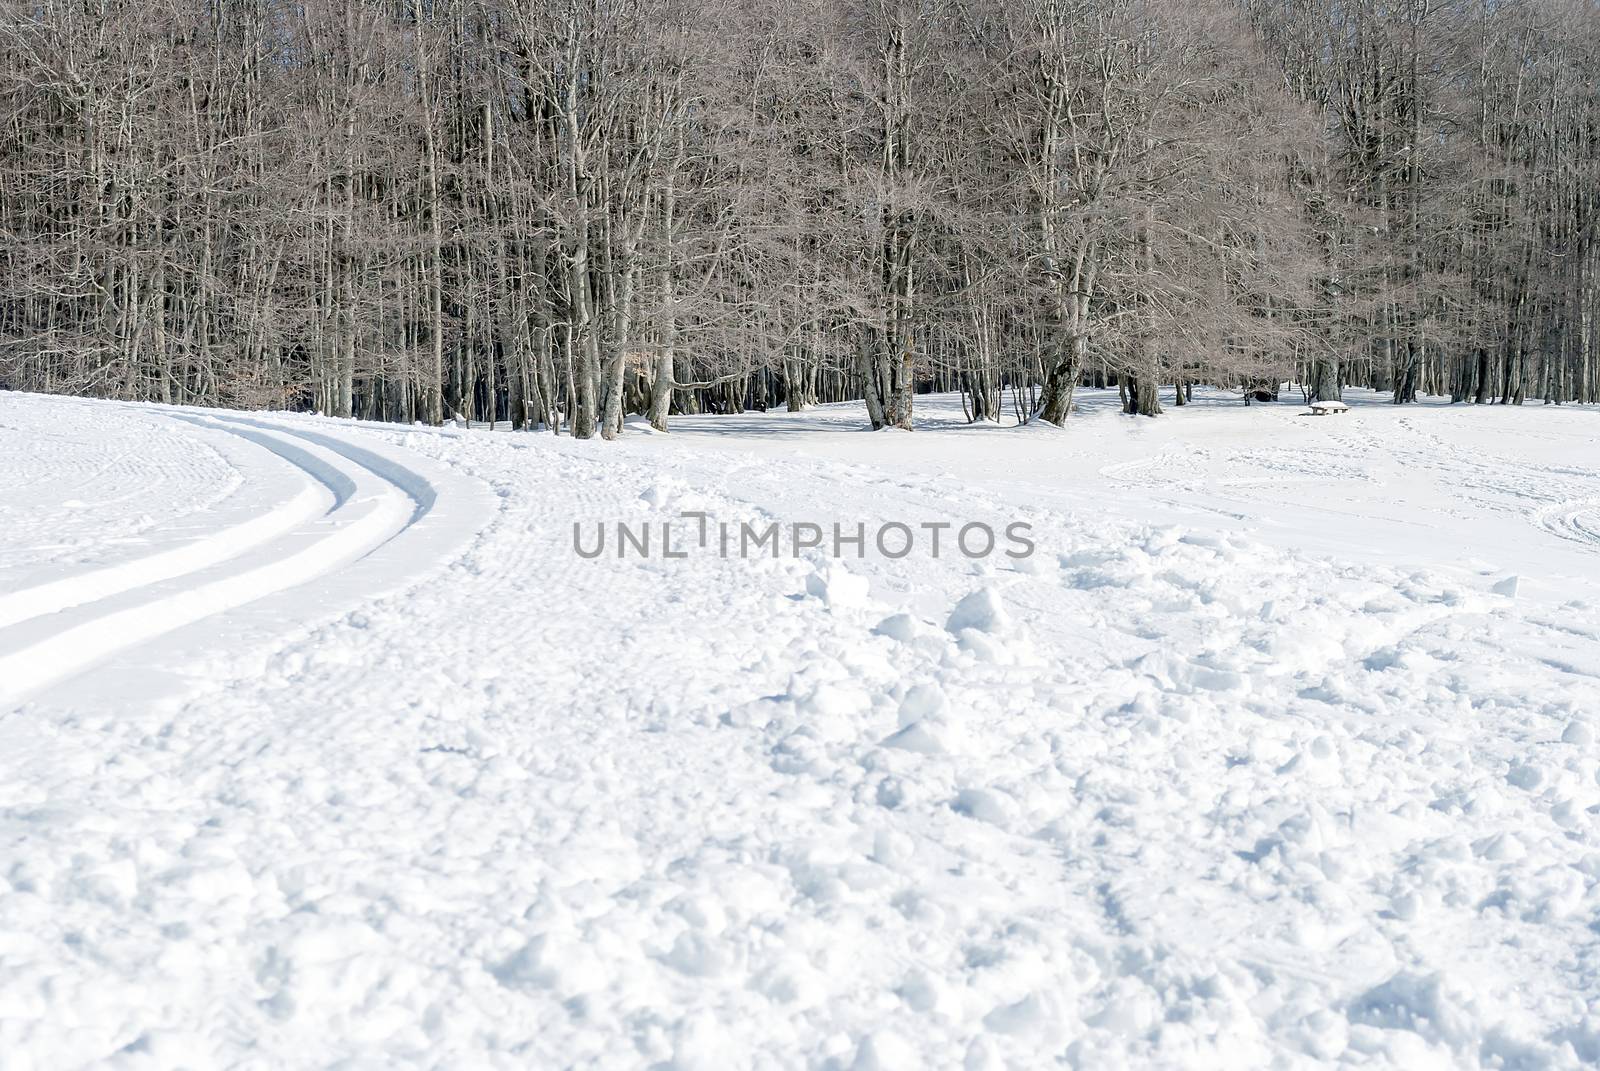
(433, 382)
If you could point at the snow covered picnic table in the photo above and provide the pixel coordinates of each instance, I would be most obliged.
(1325, 408)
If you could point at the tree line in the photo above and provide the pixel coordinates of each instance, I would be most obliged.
(559, 213)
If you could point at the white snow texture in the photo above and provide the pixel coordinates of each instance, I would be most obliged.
(321, 747)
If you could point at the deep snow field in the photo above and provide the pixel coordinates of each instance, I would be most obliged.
(320, 746)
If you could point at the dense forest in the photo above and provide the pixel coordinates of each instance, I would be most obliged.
(558, 213)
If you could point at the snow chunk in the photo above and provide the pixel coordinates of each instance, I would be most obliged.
(838, 587)
(923, 726)
(1526, 775)
(1506, 587)
(886, 1051)
(834, 698)
(1033, 1015)
(918, 736)
(922, 991)
(980, 611)
(1130, 1009)
(525, 968)
(791, 980)
(983, 805)
(923, 701)
(696, 955)
(1423, 1004)
(1501, 848)
(902, 627)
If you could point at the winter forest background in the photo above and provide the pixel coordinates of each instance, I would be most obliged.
(561, 212)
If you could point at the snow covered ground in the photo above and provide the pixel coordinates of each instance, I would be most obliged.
(320, 746)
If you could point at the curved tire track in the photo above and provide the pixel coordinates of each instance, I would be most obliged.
(310, 502)
(1576, 519)
(51, 632)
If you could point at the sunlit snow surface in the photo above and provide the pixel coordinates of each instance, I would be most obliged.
(320, 746)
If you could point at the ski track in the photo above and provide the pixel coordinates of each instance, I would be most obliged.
(93, 614)
(1189, 800)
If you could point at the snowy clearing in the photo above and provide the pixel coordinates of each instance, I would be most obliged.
(320, 746)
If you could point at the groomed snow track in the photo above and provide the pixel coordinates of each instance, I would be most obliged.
(352, 502)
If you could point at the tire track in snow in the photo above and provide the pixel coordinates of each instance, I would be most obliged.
(374, 499)
(1576, 519)
(310, 502)
(60, 457)
(1540, 493)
